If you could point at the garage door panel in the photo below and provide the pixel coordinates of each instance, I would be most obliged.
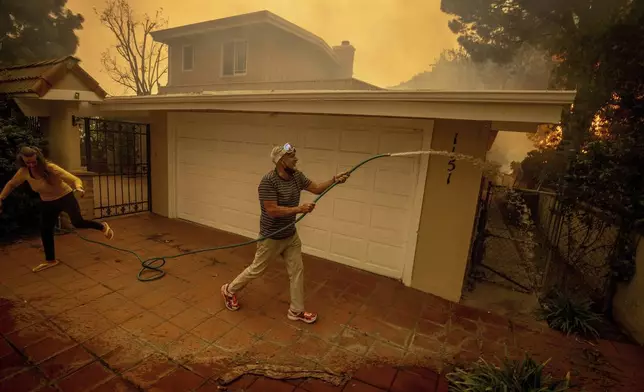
(388, 200)
(400, 142)
(351, 229)
(186, 146)
(239, 219)
(196, 157)
(237, 162)
(385, 256)
(394, 182)
(321, 139)
(351, 211)
(316, 221)
(361, 179)
(235, 175)
(221, 164)
(199, 209)
(313, 238)
(308, 155)
(389, 218)
(278, 135)
(237, 148)
(352, 158)
(323, 208)
(198, 131)
(318, 171)
(359, 141)
(344, 192)
(258, 166)
(259, 150)
(204, 194)
(246, 206)
(349, 247)
(399, 164)
(246, 150)
(196, 172)
(238, 190)
(243, 134)
(193, 188)
(387, 236)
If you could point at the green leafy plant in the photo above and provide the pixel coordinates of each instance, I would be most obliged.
(21, 211)
(569, 315)
(525, 375)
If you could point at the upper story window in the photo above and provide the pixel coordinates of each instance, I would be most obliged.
(234, 58)
(188, 58)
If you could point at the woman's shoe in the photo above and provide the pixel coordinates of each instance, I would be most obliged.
(45, 265)
(107, 231)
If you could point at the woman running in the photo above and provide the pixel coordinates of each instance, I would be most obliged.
(54, 184)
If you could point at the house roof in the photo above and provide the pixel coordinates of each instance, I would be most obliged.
(40, 77)
(284, 85)
(243, 20)
(505, 108)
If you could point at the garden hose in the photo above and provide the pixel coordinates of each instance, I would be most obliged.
(152, 267)
(155, 263)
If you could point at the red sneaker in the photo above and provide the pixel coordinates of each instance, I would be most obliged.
(229, 299)
(306, 317)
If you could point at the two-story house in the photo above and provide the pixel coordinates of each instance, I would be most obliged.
(254, 51)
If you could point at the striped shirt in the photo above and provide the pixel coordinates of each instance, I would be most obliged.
(287, 194)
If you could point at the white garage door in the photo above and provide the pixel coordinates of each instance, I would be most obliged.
(364, 223)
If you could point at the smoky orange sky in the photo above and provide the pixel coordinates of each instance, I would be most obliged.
(394, 39)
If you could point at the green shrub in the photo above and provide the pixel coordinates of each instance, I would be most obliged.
(21, 210)
(566, 314)
(513, 376)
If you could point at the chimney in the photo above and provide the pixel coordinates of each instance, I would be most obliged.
(345, 53)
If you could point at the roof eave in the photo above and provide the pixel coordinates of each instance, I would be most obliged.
(20, 94)
(501, 96)
(523, 107)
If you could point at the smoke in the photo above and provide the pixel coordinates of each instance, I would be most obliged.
(509, 147)
(530, 69)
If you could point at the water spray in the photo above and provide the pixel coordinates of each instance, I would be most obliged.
(152, 267)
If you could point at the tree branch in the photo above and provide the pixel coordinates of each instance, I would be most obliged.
(134, 47)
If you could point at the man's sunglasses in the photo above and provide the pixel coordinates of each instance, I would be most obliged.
(288, 148)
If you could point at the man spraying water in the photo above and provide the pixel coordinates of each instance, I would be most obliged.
(279, 197)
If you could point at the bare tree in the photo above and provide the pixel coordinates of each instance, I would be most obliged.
(140, 62)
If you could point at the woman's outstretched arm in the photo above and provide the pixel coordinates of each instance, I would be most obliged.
(12, 184)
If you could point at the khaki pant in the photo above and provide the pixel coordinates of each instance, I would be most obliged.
(291, 250)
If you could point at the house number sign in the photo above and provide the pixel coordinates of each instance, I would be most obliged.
(451, 165)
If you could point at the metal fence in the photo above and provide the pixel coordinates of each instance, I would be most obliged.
(505, 252)
(583, 243)
(570, 250)
(118, 152)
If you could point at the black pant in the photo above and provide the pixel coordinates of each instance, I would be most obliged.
(50, 212)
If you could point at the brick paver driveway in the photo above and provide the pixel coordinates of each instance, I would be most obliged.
(90, 325)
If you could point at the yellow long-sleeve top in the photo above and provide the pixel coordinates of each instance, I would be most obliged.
(59, 184)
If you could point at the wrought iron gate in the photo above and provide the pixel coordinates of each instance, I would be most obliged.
(497, 250)
(119, 153)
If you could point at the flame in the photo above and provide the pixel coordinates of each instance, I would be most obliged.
(549, 136)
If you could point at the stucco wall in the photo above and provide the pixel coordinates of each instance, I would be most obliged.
(628, 303)
(63, 137)
(448, 211)
(273, 55)
(159, 162)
